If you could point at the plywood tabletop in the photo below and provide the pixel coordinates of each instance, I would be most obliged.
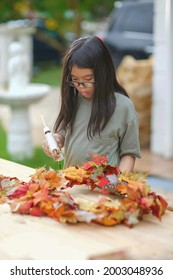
(28, 237)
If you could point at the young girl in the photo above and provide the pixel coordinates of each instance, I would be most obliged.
(96, 114)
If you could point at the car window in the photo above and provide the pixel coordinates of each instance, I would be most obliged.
(134, 18)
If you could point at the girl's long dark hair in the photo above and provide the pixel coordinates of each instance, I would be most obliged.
(89, 52)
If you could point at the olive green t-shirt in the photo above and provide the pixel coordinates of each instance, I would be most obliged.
(119, 137)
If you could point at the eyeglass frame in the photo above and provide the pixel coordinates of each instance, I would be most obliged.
(72, 84)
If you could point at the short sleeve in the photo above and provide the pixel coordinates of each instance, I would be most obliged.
(129, 140)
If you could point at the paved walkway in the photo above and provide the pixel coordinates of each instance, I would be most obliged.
(155, 165)
(49, 107)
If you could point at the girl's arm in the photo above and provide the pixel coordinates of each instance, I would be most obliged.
(127, 163)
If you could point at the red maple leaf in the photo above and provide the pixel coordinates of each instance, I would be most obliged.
(36, 211)
(96, 160)
(112, 169)
(21, 191)
(25, 207)
(102, 181)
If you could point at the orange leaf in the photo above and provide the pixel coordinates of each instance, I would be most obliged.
(122, 188)
(40, 196)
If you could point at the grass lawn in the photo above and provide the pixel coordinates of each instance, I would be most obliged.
(39, 159)
(47, 74)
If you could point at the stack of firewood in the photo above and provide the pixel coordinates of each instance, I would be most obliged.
(136, 77)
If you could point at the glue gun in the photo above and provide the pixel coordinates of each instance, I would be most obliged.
(53, 146)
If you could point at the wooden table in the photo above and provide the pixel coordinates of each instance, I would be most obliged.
(28, 237)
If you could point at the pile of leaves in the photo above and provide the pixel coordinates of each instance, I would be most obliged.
(122, 199)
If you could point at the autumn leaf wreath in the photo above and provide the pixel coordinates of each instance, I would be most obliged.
(122, 199)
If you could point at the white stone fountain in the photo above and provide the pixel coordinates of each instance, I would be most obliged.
(19, 95)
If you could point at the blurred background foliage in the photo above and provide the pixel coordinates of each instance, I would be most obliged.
(60, 15)
(57, 22)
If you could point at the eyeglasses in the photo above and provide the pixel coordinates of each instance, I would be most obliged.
(84, 84)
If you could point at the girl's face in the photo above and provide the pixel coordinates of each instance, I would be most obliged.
(83, 81)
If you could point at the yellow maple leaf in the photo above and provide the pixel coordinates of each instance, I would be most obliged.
(76, 173)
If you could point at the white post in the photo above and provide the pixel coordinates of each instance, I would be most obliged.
(162, 109)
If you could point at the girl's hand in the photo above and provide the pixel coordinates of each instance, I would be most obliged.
(60, 141)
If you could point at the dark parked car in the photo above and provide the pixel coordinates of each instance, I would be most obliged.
(130, 30)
